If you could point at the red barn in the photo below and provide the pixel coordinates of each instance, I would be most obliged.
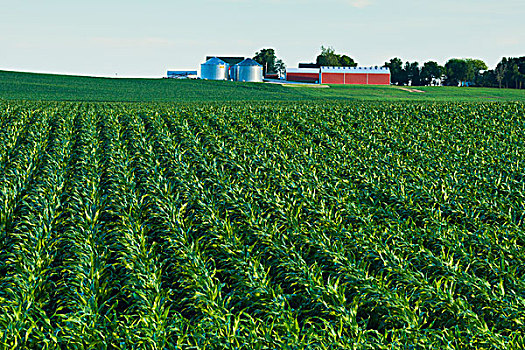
(307, 75)
(355, 75)
(271, 76)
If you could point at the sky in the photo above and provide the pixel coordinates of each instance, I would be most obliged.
(131, 38)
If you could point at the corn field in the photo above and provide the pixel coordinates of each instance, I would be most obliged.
(262, 226)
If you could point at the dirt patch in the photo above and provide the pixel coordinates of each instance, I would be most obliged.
(411, 90)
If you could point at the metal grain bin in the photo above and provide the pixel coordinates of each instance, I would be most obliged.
(250, 71)
(214, 69)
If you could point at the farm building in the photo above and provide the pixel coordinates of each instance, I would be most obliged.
(182, 74)
(355, 75)
(340, 75)
(307, 75)
(271, 76)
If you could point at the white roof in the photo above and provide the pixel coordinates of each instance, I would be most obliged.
(302, 70)
(369, 70)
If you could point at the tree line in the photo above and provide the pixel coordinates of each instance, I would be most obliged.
(509, 73)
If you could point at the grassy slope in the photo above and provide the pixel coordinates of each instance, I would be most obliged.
(31, 86)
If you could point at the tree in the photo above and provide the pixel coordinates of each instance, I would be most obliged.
(487, 79)
(509, 73)
(456, 71)
(521, 69)
(477, 65)
(517, 77)
(347, 61)
(431, 72)
(328, 57)
(501, 71)
(474, 69)
(413, 74)
(515, 72)
(267, 58)
(397, 74)
(464, 71)
(280, 68)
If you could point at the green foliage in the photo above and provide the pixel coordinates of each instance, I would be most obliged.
(457, 71)
(318, 225)
(510, 72)
(431, 72)
(463, 71)
(398, 75)
(280, 68)
(328, 57)
(270, 62)
(411, 74)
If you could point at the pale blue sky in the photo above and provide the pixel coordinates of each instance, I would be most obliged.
(146, 38)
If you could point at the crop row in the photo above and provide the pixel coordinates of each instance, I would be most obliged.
(262, 226)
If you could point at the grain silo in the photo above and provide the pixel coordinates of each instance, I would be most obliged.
(214, 69)
(249, 71)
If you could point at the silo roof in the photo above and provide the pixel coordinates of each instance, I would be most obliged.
(215, 61)
(249, 62)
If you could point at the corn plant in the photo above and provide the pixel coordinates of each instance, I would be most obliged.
(262, 225)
